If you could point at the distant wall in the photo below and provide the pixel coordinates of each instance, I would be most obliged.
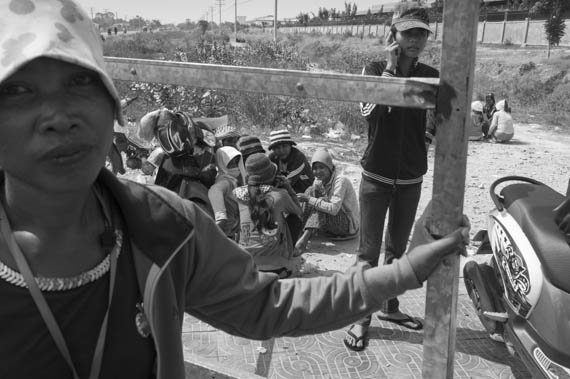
(528, 32)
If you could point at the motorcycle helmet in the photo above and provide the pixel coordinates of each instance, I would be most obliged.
(173, 133)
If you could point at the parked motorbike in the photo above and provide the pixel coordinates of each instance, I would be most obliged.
(522, 294)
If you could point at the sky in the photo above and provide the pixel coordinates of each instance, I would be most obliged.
(177, 11)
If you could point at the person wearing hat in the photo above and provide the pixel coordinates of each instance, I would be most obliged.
(263, 204)
(248, 145)
(96, 272)
(394, 162)
(330, 203)
(226, 135)
(291, 162)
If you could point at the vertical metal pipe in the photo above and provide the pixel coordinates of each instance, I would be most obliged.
(453, 109)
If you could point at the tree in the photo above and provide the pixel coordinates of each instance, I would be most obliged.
(354, 8)
(203, 25)
(347, 9)
(303, 18)
(333, 13)
(554, 27)
(323, 13)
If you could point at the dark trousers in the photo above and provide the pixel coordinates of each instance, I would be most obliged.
(375, 200)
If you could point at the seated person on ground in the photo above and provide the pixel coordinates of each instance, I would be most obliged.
(330, 204)
(186, 161)
(248, 145)
(501, 129)
(476, 132)
(263, 204)
(227, 135)
(291, 162)
(230, 174)
(488, 111)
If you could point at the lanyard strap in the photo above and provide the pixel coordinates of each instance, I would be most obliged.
(43, 307)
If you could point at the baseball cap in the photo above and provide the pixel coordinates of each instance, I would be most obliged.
(412, 18)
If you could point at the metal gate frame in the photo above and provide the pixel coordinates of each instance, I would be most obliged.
(450, 96)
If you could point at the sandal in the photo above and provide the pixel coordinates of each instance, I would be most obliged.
(408, 322)
(354, 346)
(282, 272)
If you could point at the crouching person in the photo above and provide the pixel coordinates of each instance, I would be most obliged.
(330, 204)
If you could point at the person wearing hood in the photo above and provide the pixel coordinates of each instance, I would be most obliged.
(97, 272)
(501, 128)
(230, 174)
(330, 203)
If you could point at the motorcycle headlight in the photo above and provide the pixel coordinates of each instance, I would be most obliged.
(550, 368)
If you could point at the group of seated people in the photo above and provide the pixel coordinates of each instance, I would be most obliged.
(272, 204)
(492, 121)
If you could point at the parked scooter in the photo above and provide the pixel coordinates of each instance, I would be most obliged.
(522, 295)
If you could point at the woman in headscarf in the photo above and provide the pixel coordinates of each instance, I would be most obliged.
(96, 273)
(330, 204)
(502, 126)
(230, 174)
(263, 205)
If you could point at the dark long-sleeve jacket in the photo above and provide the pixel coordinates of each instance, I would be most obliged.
(296, 168)
(397, 137)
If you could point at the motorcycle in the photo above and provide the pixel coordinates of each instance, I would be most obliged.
(522, 294)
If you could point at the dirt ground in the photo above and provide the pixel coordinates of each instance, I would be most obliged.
(536, 152)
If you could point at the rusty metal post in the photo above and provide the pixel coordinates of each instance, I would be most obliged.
(453, 105)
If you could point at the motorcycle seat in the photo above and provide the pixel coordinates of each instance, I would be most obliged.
(532, 205)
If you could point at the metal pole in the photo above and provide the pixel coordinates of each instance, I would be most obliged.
(460, 21)
(275, 23)
(235, 20)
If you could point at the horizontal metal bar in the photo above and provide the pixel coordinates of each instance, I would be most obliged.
(405, 92)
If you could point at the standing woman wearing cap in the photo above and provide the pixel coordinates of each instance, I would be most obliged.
(262, 208)
(96, 272)
(393, 163)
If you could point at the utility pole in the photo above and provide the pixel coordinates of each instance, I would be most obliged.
(220, 3)
(235, 19)
(275, 23)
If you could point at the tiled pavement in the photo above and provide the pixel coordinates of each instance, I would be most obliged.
(393, 351)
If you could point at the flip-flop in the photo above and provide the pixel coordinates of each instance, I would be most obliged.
(334, 237)
(356, 340)
(408, 322)
(282, 272)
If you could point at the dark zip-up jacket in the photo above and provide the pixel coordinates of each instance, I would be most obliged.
(397, 137)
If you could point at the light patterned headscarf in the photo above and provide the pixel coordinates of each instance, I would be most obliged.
(57, 29)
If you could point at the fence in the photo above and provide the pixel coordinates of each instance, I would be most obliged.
(527, 32)
(450, 95)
